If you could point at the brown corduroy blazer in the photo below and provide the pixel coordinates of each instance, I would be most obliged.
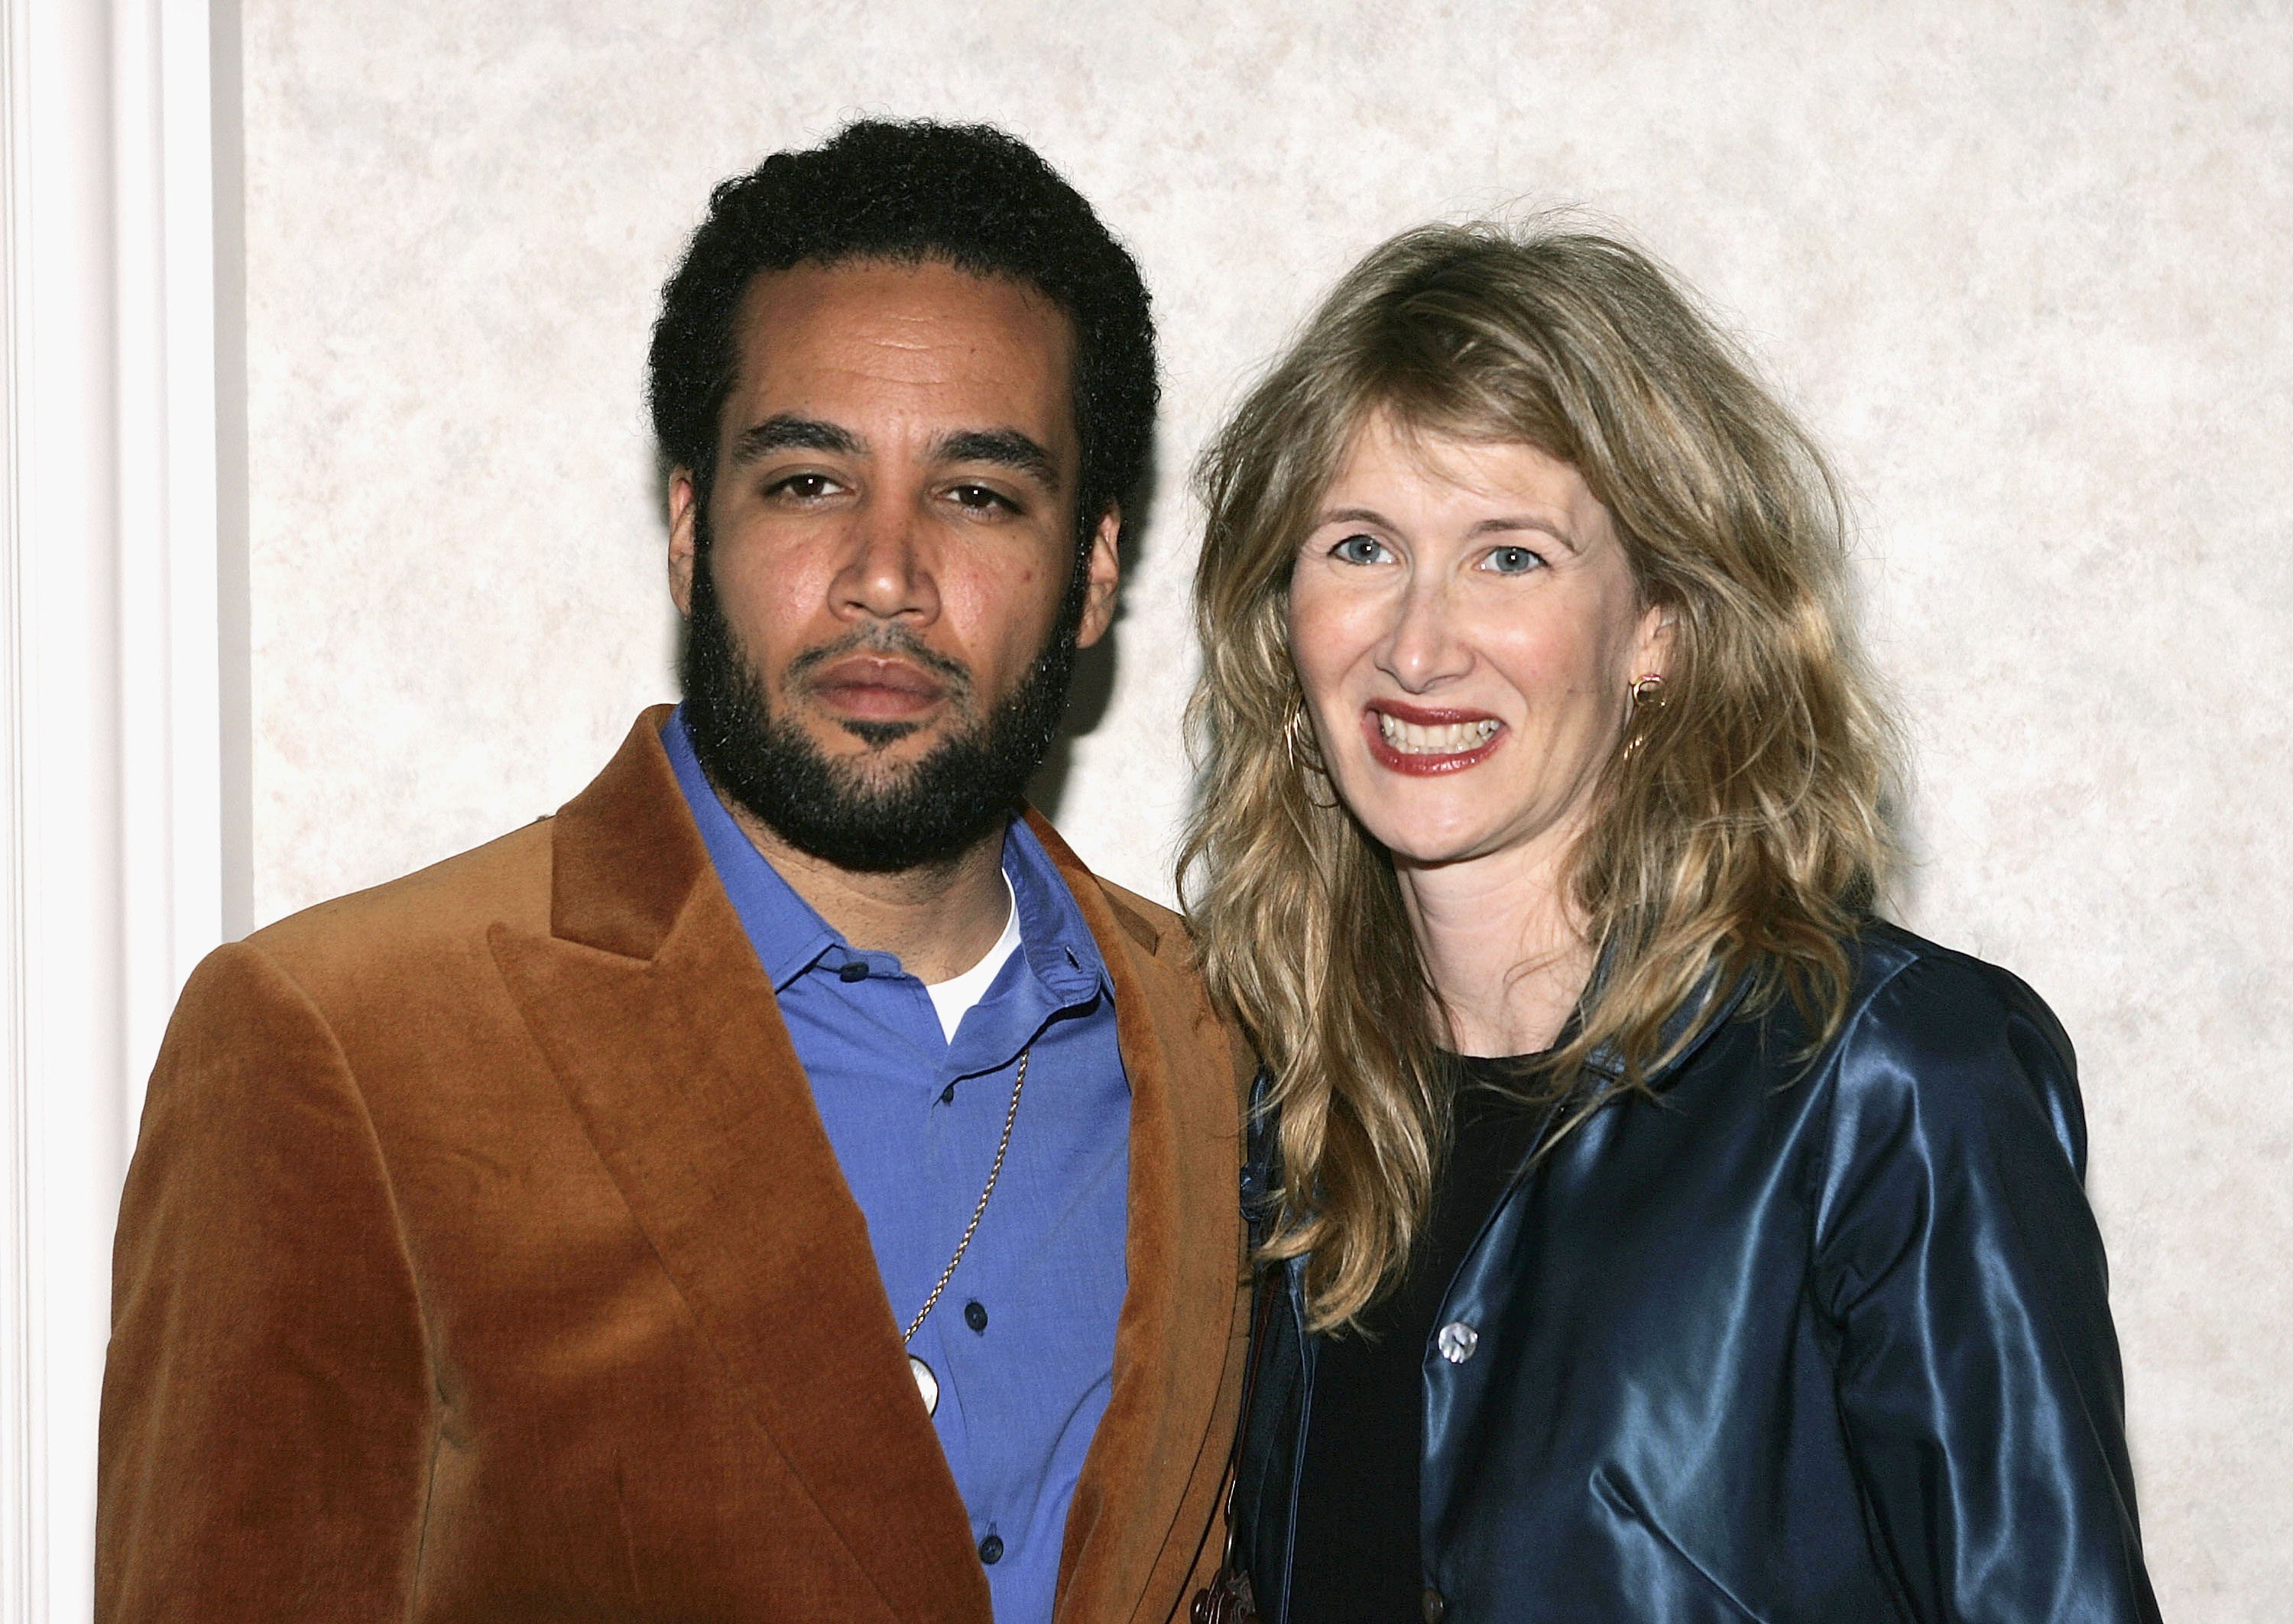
(484, 1258)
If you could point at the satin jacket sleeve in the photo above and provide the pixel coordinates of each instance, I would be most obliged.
(1959, 1265)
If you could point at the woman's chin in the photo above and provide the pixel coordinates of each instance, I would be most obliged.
(1417, 846)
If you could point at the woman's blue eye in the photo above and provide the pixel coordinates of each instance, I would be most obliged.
(1359, 550)
(1514, 560)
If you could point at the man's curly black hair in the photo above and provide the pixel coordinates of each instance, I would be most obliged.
(967, 196)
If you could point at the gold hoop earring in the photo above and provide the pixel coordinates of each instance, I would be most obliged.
(1306, 756)
(1645, 694)
(1305, 750)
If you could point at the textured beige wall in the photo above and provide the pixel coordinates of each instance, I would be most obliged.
(2022, 266)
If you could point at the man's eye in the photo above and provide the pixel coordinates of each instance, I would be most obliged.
(1359, 550)
(982, 498)
(802, 486)
(1514, 560)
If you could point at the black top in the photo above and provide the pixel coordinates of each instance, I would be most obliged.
(1356, 1554)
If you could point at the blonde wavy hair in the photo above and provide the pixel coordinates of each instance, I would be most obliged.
(1739, 831)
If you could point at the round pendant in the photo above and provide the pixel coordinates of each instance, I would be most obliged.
(926, 1383)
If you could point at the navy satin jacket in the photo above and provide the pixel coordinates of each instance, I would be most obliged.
(1820, 1345)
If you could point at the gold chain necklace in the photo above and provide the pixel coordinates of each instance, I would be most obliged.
(927, 1383)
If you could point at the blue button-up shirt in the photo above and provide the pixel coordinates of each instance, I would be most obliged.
(1023, 1339)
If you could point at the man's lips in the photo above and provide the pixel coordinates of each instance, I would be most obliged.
(1422, 740)
(869, 687)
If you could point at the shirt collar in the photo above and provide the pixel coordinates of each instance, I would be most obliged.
(790, 937)
(1054, 938)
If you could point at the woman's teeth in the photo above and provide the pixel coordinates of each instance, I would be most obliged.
(1446, 739)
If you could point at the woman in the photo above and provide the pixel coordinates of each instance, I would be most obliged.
(1661, 1237)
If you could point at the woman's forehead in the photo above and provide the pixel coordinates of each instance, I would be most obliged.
(1491, 464)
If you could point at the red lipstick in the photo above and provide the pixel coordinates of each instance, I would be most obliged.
(1419, 760)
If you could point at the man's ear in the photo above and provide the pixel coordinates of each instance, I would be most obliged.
(1103, 567)
(683, 519)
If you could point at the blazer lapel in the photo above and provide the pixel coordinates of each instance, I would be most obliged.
(1150, 1480)
(649, 1004)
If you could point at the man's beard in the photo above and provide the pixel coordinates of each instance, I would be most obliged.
(931, 812)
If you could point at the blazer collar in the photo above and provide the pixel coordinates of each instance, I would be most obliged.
(650, 1005)
(625, 855)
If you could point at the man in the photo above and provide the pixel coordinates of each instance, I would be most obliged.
(783, 1186)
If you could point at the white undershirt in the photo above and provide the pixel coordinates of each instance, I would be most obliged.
(954, 997)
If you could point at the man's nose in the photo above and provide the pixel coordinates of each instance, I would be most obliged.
(1422, 646)
(889, 573)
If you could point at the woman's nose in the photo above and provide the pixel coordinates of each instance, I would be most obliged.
(1423, 648)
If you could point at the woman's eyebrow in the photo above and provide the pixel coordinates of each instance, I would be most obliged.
(1508, 523)
(1503, 525)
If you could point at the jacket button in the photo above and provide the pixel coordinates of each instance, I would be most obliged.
(1456, 1342)
(974, 1315)
(991, 1549)
(1434, 1605)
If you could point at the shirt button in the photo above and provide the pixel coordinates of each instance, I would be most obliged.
(974, 1315)
(1433, 1605)
(991, 1549)
(855, 971)
(1457, 1342)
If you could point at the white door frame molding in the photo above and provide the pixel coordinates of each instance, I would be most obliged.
(111, 725)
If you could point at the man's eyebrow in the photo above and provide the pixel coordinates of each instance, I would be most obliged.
(1006, 448)
(791, 431)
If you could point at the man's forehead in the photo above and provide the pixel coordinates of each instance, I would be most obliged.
(917, 302)
(878, 334)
